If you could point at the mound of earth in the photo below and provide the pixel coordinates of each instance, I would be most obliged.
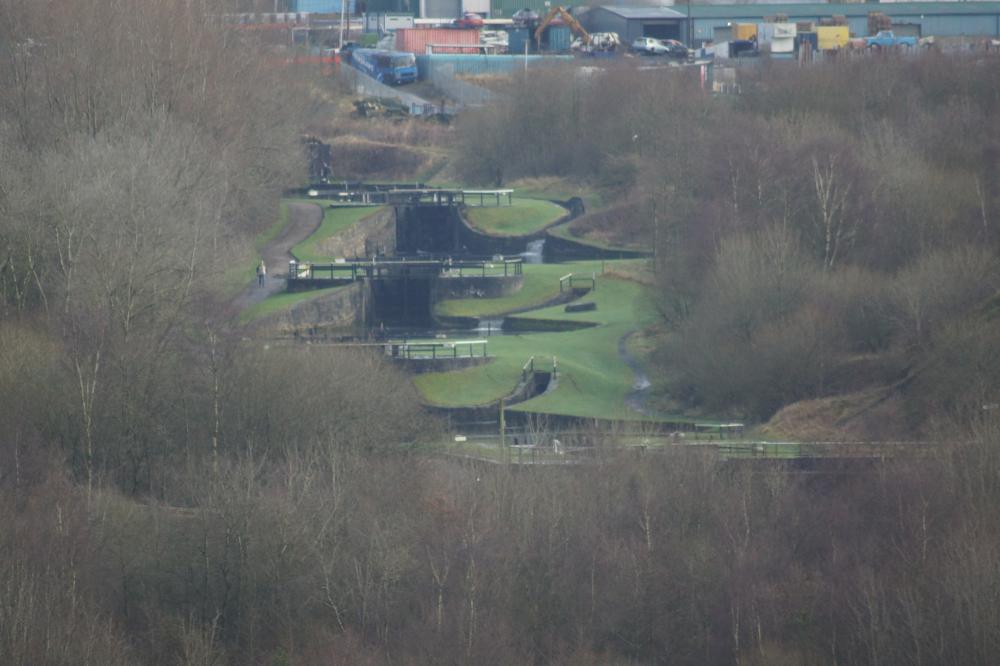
(873, 414)
(371, 160)
(622, 225)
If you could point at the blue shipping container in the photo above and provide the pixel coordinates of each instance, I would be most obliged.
(322, 6)
(811, 37)
(516, 40)
(559, 37)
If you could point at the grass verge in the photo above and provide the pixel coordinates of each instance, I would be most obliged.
(282, 301)
(335, 220)
(541, 285)
(523, 217)
(593, 378)
(239, 274)
(557, 189)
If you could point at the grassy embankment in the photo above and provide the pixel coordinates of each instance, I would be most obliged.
(593, 379)
(541, 285)
(283, 301)
(242, 273)
(566, 231)
(335, 220)
(558, 189)
(525, 216)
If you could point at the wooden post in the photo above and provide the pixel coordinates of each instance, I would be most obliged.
(503, 429)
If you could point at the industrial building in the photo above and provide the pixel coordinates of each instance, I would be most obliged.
(942, 19)
(697, 24)
(633, 22)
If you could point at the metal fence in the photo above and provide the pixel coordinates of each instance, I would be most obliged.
(417, 106)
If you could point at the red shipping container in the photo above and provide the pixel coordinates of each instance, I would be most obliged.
(452, 40)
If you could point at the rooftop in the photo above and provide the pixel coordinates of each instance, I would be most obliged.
(632, 12)
(814, 9)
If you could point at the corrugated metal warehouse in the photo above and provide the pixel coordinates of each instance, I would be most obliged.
(633, 22)
(943, 19)
(696, 24)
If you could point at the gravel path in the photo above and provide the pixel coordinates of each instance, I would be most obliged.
(303, 221)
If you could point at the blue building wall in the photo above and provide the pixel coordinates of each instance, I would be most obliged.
(453, 64)
(321, 6)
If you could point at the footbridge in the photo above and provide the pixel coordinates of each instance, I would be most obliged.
(307, 274)
(407, 195)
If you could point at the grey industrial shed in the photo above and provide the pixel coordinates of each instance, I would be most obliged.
(943, 19)
(632, 22)
(698, 23)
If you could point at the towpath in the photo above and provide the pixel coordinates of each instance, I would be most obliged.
(636, 398)
(303, 221)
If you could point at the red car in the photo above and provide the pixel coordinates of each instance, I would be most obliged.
(469, 20)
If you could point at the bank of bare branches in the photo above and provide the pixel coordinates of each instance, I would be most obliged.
(826, 216)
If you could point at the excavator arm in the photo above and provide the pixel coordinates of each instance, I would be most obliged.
(568, 19)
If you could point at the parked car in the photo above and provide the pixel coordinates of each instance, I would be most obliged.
(469, 20)
(653, 46)
(887, 38)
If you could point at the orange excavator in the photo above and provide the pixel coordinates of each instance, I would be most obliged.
(567, 19)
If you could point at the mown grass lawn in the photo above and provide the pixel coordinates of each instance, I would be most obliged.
(558, 189)
(525, 216)
(541, 285)
(335, 220)
(593, 379)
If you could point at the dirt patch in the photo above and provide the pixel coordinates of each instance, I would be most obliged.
(872, 414)
(495, 82)
(622, 225)
(368, 160)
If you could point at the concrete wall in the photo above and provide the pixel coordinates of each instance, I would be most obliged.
(466, 94)
(401, 302)
(375, 234)
(340, 311)
(427, 229)
(479, 243)
(476, 287)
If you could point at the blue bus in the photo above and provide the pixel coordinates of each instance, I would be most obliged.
(390, 67)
